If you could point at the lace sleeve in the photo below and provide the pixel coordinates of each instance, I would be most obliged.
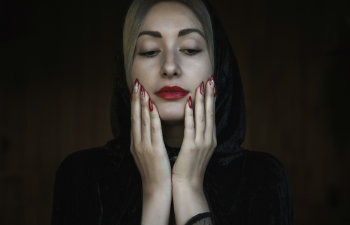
(201, 219)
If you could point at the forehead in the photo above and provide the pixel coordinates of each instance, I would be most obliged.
(165, 16)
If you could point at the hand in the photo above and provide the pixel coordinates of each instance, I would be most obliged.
(147, 145)
(199, 139)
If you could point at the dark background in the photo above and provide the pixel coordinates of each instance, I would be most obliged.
(56, 70)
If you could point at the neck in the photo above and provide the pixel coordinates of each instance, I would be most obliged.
(173, 133)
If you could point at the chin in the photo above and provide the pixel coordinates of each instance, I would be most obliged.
(172, 114)
(172, 120)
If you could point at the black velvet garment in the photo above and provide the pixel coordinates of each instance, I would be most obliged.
(103, 186)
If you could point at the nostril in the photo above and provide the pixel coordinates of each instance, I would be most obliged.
(166, 74)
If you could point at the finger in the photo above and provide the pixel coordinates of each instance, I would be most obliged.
(145, 118)
(132, 146)
(199, 115)
(210, 110)
(189, 123)
(134, 154)
(136, 113)
(156, 126)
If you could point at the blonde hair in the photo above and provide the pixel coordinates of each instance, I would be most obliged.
(133, 22)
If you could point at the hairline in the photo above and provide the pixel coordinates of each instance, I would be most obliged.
(205, 22)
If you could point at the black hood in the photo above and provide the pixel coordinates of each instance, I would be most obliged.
(229, 108)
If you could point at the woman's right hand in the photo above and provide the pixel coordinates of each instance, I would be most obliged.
(151, 158)
(147, 145)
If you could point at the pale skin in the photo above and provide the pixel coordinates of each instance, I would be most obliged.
(165, 57)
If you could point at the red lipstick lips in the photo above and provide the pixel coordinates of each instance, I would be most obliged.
(171, 92)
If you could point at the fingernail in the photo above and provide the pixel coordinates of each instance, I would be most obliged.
(190, 102)
(202, 88)
(211, 77)
(215, 90)
(136, 85)
(150, 104)
(212, 83)
(142, 92)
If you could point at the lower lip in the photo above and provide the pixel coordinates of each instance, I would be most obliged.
(172, 95)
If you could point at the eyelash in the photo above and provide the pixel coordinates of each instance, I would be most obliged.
(186, 51)
(148, 53)
(192, 51)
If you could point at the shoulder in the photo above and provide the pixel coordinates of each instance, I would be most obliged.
(89, 162)
(267, 183)
(81, 158)
(263, 160)
(263, 168)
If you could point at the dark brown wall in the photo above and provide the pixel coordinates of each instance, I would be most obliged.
(287, 53)
(55, 87)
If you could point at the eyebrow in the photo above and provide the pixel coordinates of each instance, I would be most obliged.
(183, 32)
(188, 31)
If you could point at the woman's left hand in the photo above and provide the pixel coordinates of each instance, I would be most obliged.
(199, 140)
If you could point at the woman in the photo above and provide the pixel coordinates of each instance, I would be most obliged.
(179, 157)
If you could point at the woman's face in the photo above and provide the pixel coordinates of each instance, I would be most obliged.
(171, 51)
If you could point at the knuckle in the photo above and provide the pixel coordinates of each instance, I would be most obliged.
(207, 144)
(153, 116)
(144, 102)
(142, 150)
(136, 150)
(145, 122)
(154, 128)
(135, 99)
(190, 126)
(146, 150)
(133, 119)
(194, 145)
(211, 114)
(201, 119)
(189, 113)
(151, 151)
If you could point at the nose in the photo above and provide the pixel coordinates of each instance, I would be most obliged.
(170, 66)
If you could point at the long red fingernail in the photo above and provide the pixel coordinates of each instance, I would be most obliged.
(190, 102)
(150, 104)
(215, 90)
(142, 91)
(202, 88)
(212, 83)
(136, 85)
(134, 88)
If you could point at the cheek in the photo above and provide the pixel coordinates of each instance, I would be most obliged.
(198, 69)
(143, 66)
(143, 70)
(147, 72)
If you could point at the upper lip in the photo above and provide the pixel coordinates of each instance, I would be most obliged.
(171, 89)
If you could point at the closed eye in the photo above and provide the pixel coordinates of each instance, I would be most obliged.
(191, 51)
(149, 53)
